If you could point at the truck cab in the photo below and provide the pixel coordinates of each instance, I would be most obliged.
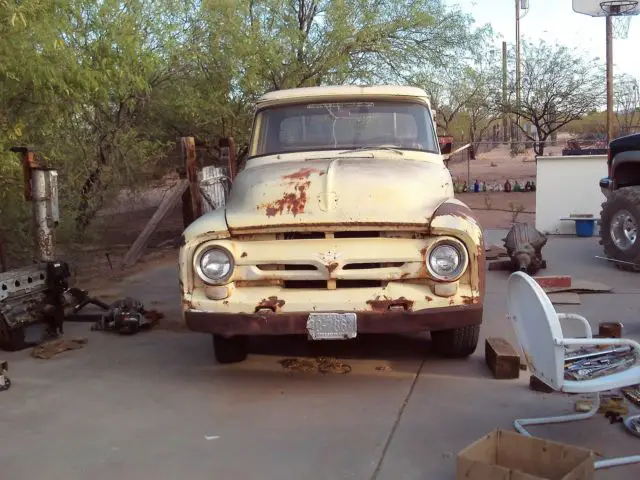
(342, 222)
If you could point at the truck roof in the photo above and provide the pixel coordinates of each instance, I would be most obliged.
(312, 93)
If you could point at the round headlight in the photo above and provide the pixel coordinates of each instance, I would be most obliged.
(215, 265)
(447, 261)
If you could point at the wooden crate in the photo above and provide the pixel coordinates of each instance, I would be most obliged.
(505, 455)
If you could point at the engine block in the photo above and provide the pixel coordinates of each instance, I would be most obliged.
(23, 294)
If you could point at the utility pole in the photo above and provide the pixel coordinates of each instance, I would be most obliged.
(609, 78)
(517, 70)
(505, 111)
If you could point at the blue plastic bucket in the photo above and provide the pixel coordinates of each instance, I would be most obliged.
(584, 228)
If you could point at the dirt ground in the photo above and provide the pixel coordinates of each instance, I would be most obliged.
(499, 209)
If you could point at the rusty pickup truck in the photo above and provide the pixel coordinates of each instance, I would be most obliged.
(342, 222)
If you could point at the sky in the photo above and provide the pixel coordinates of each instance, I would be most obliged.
(555, 20)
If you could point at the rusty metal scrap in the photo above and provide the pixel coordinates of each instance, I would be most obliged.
(633, 394)
(589, 363)
(632, 424)
(127, 316)
(52, 348)
(5, 381)
(524, 247)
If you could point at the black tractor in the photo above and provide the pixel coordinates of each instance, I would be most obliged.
(620, 216)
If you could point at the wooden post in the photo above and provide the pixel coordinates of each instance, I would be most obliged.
(187, 210)
(468, 170)
(610, 115)
(29, 162)
(166, 205)
(228, 155)
(191, 168)
(505, 112)
(3, 256)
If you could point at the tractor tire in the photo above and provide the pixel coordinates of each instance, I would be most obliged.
(457, 342)
(230, 350)
(620, 228)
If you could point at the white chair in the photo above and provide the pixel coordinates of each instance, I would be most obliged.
(540, 335)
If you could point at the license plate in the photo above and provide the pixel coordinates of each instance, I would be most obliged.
(332, 326)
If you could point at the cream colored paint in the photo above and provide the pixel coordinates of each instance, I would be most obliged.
(327, 255)
(341, 92)
(331, 191)
(245, 300)
(566, 185)
(338, 190)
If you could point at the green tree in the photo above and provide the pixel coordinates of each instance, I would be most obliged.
(559, 85)
(627, 104)
(101, 89)
(253, 47)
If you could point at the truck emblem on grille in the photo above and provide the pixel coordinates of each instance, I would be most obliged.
(327, 257)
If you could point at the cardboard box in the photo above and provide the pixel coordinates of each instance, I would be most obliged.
(504, 455)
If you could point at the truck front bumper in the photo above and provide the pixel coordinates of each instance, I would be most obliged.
(230, 324)
(398, 308)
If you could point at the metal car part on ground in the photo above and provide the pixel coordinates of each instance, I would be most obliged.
(524, 246)
(127, 316)
(38, 294)
(5, 381)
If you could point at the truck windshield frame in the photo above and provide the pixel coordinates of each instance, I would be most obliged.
(343, 125)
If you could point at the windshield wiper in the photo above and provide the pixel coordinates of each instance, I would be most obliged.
(360, 149)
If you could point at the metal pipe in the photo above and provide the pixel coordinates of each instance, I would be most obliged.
(505, 111)
(609, 78)
(45, 200)
(518, 71)
(624, 349)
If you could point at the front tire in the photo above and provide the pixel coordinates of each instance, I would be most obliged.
(230, 350)
(457, 342)
(620, 227)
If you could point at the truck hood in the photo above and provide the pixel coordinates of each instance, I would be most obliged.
(373, 191)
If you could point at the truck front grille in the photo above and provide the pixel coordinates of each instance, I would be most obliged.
(323, 284)
(317, 272)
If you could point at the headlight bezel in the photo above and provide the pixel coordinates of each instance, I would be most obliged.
(462, 266)
(198, 267)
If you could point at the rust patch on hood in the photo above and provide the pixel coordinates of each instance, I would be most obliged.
(331, 267)
(383, 305)
(292, 202)
(302, 174)
(273, 303)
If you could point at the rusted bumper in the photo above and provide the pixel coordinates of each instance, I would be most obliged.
(368, 322)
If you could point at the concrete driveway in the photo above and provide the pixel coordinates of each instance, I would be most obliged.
(155, 405)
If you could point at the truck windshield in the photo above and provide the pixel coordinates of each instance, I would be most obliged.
(343, 125)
